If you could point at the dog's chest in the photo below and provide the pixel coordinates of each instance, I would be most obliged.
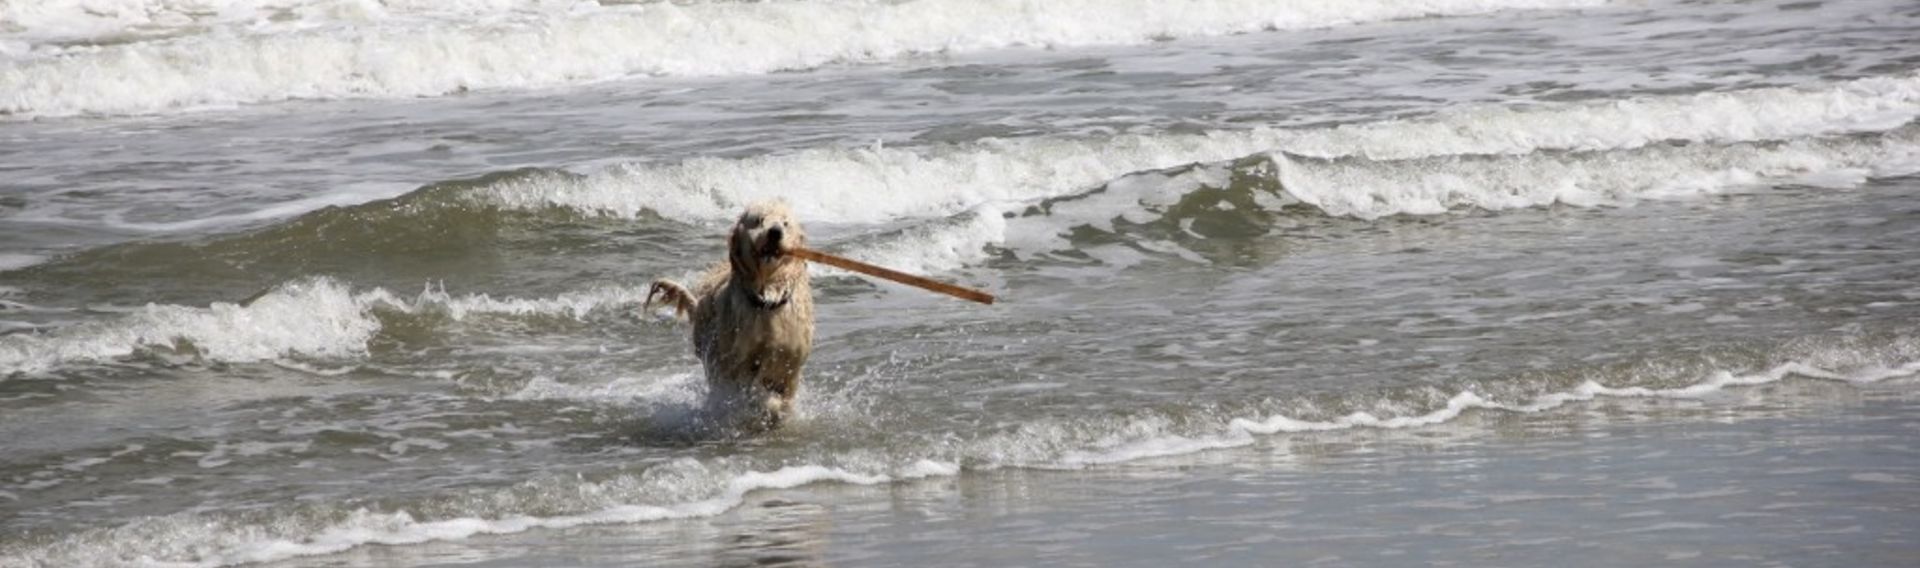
(736, 336)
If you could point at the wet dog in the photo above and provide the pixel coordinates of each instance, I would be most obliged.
(752, 318)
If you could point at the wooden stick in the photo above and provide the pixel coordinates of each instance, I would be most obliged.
(894, 275)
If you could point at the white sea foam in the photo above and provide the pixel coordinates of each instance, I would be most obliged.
(190, 541)
(870, 185)
(316, 317)
(15, 261)
(1153, 438)
(878, 185)
(684, 387)
(1863, 105)
(1587, 391)
(364, 55)
(1371, 189)
(932, 247)
(569, 304)
(98, 20)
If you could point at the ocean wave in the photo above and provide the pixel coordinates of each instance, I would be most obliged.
(1370, 189)
(950, 206)
(704, 487)
(871, 185)
(940, 208)
(313, 317)
(324, 318)
(1163, 211)
(363, 57)
(879, 185)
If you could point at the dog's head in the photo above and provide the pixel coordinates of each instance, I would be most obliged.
(758, 246)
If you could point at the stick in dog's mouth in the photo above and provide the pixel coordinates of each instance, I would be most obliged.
(770, 247)
(921, 282)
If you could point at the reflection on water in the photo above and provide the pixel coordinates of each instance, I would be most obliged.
(777, 532)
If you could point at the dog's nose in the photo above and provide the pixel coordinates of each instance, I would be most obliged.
(774, 234)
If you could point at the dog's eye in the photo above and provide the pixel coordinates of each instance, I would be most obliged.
(751, 222)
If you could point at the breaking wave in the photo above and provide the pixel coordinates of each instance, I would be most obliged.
(942, 208)
(878, 185)
(358, 50)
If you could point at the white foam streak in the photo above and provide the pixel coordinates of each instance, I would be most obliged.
(365, 55)
(1368, 190)
(365, 527)
(1863, 105)
(1151, 438)
(15, 261)
(317, 317)
(313, 318)
(684, 388)
(1587, 391)
(932, 247)
(574, 305)
(193, 542)
(872, 185)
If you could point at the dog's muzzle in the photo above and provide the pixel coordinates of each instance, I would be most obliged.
(770, 244)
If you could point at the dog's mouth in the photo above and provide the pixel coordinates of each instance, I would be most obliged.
(770, 250)
(770, 244)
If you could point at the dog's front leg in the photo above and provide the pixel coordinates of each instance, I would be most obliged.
(671, 294)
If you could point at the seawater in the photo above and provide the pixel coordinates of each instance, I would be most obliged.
(282, 281)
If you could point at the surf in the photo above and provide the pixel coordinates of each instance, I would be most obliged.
(371, 55)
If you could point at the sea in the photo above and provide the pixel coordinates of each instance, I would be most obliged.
(344, 283)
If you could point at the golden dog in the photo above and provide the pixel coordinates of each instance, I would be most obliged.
(752, 317)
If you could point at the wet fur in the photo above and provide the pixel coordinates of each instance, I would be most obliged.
(752, 318)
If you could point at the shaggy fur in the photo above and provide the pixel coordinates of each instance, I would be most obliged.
(752, 317)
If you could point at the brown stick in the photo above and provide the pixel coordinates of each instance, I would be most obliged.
(894, 275)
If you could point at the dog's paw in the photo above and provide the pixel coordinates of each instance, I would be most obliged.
(672, 294)
(775, 409)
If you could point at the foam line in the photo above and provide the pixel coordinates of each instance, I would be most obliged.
(1370, 189)
(316, 317)
(1587, 391)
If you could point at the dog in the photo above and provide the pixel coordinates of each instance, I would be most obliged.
(752, 317)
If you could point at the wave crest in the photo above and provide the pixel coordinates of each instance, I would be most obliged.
(410, 59)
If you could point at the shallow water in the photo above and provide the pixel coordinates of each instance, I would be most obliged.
(1823, 478)
(1309, 261)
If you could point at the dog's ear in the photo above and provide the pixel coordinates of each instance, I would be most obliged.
(740, 251)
